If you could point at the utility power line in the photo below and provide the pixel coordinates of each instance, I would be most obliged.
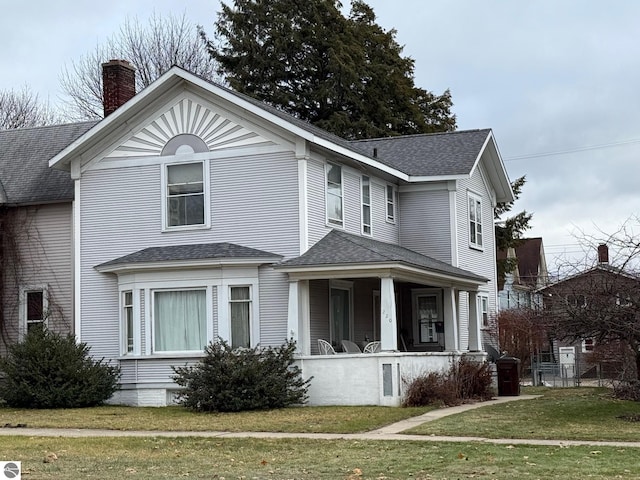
(572, 150)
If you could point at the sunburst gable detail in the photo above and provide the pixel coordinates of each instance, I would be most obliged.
(188, 117)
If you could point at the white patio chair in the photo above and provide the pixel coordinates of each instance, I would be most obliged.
(325, 347)
(372, 347)
(350, 347)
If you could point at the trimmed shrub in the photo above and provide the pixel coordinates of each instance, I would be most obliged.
(464, 381)
(232, 380)
(48, 370)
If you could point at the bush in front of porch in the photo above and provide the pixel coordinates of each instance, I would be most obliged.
(464, 381)
(235, 379)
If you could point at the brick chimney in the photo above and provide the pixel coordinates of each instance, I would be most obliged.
(603, 253)
(118, 84)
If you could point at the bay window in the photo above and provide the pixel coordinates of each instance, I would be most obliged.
(240, 312)
(179, 320)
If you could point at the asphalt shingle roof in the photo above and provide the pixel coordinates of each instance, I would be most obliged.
(202, 251)
(341, 248)
(25, 176)
(435, 154)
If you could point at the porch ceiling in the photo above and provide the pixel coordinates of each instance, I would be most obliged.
(342, 255)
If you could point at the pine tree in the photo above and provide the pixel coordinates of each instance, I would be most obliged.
(346, 75)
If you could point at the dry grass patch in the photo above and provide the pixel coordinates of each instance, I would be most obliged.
(158, 458)
(561, 413)
(295, 419)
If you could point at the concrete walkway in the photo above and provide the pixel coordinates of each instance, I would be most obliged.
(390, 432)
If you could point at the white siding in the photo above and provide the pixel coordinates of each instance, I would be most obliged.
(254, 203)
(38, 249)
(481, 262)
(381, 229)
(352, 207)
(425, 223)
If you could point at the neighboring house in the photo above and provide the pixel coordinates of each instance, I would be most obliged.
(521, 287)
(602, 292)
(36, 254)
(200, 213)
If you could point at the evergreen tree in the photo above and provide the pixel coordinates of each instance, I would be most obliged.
(346, 75)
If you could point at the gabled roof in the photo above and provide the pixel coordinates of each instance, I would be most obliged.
(452, 154)
(531, 261)
(395, 157)
(25, 176)
(204, 254)
(341, 249)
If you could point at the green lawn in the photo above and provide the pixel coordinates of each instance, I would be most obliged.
(298, 419)
(586, 413)
(561, 413)
(160, 458)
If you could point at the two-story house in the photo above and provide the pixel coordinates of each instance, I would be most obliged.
(200, 213)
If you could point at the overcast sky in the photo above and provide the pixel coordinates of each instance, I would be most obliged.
(557, 81)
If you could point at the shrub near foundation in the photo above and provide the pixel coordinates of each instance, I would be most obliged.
(48, 370)
(232, 380)
(464, 381)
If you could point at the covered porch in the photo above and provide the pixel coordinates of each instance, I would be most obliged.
(423, 312)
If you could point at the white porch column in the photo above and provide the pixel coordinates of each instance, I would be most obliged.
(451, 339)
(388, 320)
(298, 315)
(475, 337)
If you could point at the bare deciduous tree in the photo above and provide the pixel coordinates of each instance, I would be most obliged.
(602, 303)
(22, 108)
(152, 49)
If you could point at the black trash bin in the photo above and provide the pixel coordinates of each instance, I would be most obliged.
(508, 377)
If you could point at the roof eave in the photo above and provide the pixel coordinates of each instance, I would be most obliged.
(496, 169)
(393, 269)
(130, 267)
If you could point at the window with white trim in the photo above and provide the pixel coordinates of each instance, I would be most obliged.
(334, 195)
(127, 321)
(587, 345)
(475, 221)
(185, 195)
(391, 203)
(240, 314)
(179, 320)
(365, 188)
(483, 308)
(34, 304)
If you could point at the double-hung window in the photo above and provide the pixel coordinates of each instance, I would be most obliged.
(35, 304)
(240, 310)
(185, 194)
(391, 204)
(334, 195)
(366, 205)
(483, 304)
(179, 320)
(475, 221)
(127, 320)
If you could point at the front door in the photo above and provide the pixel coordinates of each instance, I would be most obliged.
(428, 324)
